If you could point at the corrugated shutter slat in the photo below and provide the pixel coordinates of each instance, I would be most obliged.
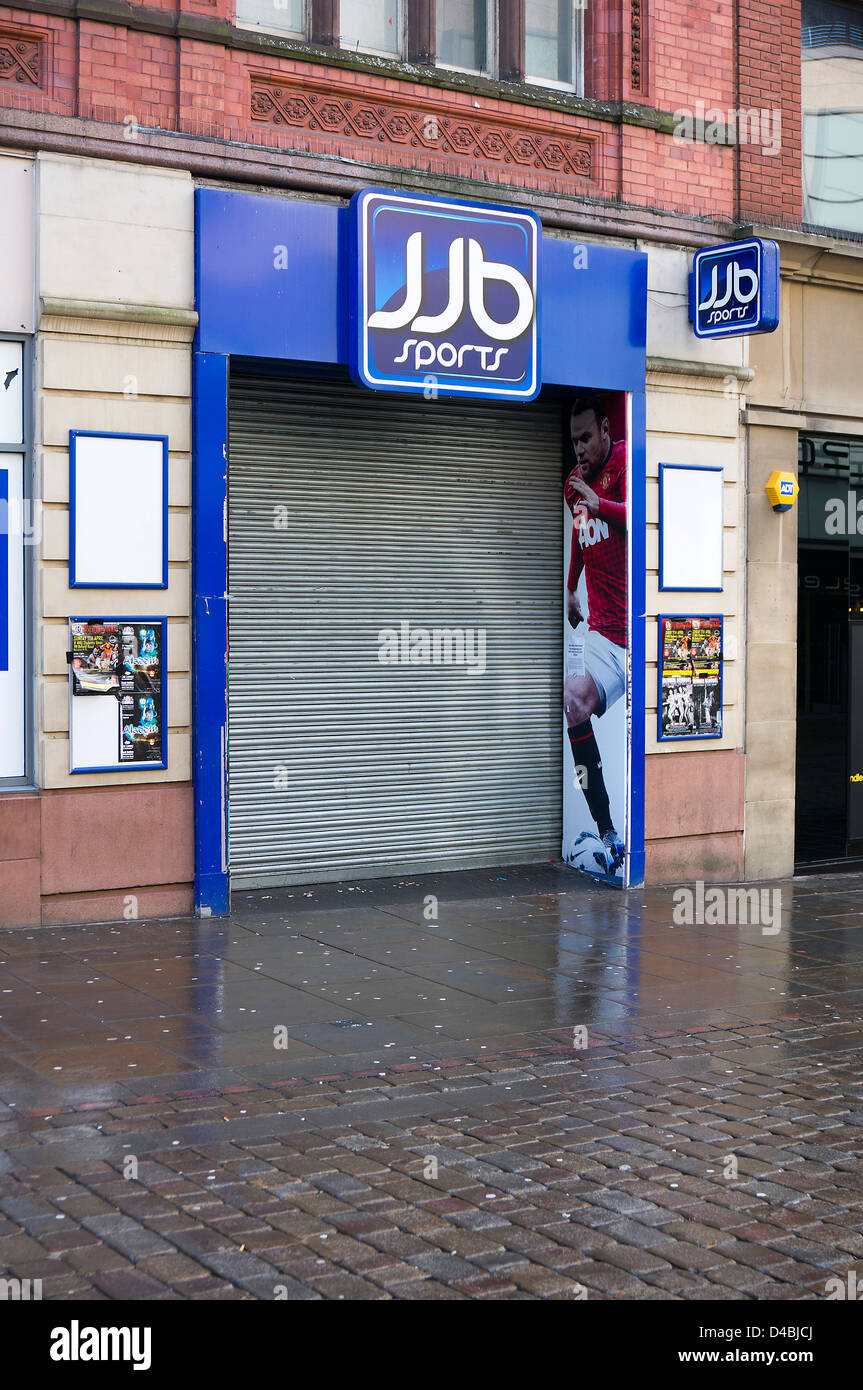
(442, 514)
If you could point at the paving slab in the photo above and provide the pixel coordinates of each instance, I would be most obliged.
(551, 1091)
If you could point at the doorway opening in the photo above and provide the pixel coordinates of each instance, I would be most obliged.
(829, 794)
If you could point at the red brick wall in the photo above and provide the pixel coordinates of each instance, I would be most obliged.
(602, 48)
(152, 81)
(770, 79)
(692, 53)
(204, 100)
(677, 176)
(669, 55)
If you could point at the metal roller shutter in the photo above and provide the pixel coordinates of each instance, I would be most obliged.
(442, 514)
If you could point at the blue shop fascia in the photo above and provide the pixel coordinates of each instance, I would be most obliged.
(364, 319)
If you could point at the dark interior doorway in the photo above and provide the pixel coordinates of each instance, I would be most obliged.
(829, 802)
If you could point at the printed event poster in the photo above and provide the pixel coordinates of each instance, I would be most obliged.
(595, 693)
(141, 729)
(95, 657)
(690, 677)
(141, 698)
(141, 657)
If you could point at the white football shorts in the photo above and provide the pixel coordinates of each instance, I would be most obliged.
(605, 662)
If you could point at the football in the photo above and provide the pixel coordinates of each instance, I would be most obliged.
(588, 854)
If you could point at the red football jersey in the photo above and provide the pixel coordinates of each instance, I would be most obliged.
(599, 548)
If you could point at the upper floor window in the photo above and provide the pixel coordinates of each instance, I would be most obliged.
(462, 31)
(550, 42)
(286, 16)
(537, 41)
(371, 26)
(833, 115)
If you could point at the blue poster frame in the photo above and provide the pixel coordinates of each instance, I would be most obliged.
(145, 620)
(660, 665)
(679, 588)
(74, 582)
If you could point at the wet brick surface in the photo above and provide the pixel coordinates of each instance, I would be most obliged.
(431, 1130)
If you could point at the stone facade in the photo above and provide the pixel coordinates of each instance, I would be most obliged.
(106, 125)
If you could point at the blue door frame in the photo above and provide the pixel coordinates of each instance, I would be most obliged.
(210, 631)
(289, 303)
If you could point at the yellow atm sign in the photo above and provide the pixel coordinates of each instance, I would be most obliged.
(782, 491)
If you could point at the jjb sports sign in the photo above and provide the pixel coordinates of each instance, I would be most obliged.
(734, 289)
(444, 297)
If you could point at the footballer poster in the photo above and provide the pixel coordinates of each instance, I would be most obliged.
(690, 677)
(595, 682)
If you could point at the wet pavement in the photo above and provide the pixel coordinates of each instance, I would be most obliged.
(503, 1084)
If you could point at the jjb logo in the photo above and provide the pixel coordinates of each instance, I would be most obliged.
(735, 289)
(479, 271)
(742, 284)
(444, 297)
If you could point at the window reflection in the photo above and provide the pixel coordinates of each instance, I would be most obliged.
(287, 15)
(462, 34)
(370, 25)
(549, 42)
(833, 115)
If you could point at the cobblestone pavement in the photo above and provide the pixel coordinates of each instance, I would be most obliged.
(436, 1129)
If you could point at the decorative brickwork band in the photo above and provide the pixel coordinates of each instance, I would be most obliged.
(399, 128)
(19, 58)
(637, 49)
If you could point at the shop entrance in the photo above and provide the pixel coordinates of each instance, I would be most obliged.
(829, 795)
(362, 525)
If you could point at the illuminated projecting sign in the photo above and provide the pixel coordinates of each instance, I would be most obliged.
(444, 297)
(734, 289)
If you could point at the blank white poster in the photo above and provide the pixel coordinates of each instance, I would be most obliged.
(117, 514)
(94, 732)
(11, 393)
(13, 520)
(690, 527)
